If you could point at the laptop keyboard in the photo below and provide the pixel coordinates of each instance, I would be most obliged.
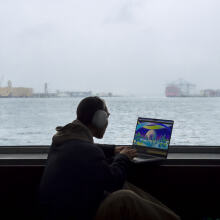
(144, 156)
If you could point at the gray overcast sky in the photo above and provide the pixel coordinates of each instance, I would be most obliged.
(123, 46)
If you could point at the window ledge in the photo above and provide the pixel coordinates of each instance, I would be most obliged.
(178, 155)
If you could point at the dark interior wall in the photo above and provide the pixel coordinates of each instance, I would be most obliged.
(191, 191)
(19, 191)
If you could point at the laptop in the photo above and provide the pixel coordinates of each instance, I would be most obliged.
(152, 139)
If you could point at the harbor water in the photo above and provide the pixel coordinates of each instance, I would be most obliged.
(32, 121)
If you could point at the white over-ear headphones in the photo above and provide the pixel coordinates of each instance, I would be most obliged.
(100, 119)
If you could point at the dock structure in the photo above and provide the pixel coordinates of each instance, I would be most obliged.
(10, 91)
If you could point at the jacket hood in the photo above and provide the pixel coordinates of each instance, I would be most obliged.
(72, 131)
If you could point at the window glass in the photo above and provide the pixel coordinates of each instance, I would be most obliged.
(156, 58)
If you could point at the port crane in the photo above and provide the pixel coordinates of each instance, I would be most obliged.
(180, 88)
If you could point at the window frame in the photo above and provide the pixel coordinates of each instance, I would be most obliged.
(180, 155)
(23, 149)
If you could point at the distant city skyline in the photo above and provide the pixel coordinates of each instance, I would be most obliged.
(197, 90)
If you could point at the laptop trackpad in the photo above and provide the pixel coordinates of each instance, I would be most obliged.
(150, 159)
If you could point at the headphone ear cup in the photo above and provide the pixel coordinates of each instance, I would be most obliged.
(100, 119)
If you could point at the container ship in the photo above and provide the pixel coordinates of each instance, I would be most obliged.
(182, 88)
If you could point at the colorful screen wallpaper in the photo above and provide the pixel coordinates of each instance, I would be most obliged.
(153, 134)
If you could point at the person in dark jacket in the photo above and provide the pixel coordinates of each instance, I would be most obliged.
(78, 174)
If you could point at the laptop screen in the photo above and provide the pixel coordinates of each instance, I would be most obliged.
(152, 136)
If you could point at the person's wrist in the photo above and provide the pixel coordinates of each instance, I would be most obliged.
(125, 156)
(115, 150)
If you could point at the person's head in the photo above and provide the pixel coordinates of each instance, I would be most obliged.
(92, 112)
(126, 205)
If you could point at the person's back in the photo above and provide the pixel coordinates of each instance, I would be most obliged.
(72, 180)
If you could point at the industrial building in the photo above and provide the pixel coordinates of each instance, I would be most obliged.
(10, 91)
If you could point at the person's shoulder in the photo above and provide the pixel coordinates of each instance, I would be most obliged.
(88, 147)
(76, 142)
(97, 150)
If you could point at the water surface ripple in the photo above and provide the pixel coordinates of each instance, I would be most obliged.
(32, 121)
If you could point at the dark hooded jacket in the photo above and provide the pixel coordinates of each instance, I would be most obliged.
(77, 174)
